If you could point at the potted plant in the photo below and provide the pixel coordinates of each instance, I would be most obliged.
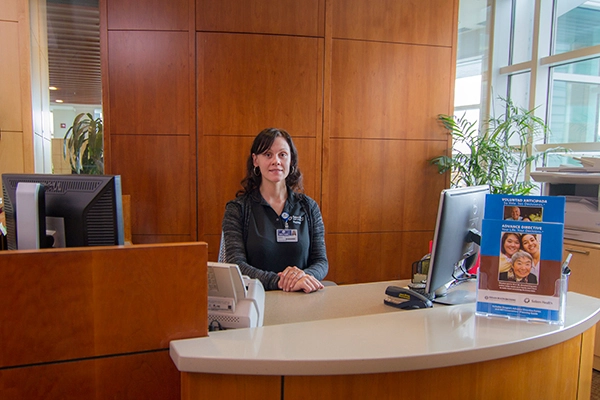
(84, 145)
(497, 154)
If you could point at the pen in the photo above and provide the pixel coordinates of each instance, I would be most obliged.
(565, 265)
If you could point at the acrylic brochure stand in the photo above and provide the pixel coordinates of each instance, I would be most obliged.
(522, 275)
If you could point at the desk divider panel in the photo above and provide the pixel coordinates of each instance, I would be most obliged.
(97, 305)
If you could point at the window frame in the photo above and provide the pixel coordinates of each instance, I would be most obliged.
(539, 66)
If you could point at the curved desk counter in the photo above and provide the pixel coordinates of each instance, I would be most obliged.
(343, 342)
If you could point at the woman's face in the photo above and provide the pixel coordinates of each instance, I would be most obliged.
(531, 244)
(511, 245)
(274, 163)
(522, 267)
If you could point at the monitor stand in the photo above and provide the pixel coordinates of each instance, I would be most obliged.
(462, 293)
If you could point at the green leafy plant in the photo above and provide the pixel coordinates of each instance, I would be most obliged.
(497, 154)
(84, 145)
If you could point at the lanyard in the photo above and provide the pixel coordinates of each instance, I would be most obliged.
(285, 216)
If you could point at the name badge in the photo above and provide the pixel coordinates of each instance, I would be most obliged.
(287, 235)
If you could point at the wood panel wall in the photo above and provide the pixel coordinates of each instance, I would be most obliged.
(391, 73)
(148, 99)
(96, 322)
(358, 84)
(16, 124)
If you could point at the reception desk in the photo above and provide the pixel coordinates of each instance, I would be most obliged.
(343, 342)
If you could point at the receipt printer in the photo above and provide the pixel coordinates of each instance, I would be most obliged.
(234, 301)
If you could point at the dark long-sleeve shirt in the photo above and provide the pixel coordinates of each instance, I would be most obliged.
(249, 237)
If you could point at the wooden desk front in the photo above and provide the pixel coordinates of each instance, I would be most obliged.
(381, 352)
(95, 322)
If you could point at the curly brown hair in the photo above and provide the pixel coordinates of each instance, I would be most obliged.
(263, 142)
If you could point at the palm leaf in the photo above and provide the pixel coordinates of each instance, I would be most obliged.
(498, 155)
(83, 145)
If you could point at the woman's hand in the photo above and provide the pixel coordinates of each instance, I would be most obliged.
(293, 279)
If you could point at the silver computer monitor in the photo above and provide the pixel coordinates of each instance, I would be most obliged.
(455, 242)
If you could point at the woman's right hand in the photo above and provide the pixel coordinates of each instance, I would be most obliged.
(308, 284)
(293, 279)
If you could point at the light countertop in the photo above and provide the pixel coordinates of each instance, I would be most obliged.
(332, 302)
(348, 330)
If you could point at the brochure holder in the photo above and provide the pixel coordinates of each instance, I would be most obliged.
(522, 275)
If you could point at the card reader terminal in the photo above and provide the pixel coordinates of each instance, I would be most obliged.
(406, 299)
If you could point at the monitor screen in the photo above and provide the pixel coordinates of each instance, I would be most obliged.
(456, 240)
(80, 210)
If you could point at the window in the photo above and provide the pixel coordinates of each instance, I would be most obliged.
(471, 59)
(575, 102)
(73, 33)
(547, 59)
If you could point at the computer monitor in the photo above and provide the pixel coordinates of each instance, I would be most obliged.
(455, 243)
(80, 210)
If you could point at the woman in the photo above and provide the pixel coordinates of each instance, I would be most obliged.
(520, 270)
(531, 244)
(511, 243)
(270, 230)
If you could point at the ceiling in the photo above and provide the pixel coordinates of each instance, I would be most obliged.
(74, 51)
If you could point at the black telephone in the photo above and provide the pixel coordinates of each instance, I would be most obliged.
(405, 298)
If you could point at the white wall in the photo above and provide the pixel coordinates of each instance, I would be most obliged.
(65, 114)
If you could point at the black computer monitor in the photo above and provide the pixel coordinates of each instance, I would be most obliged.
(455, 242)
(80, 210)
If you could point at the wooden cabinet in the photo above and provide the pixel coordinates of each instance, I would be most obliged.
(585, 277)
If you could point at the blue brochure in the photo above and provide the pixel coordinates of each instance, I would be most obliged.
(525, 208)
(520, 275)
